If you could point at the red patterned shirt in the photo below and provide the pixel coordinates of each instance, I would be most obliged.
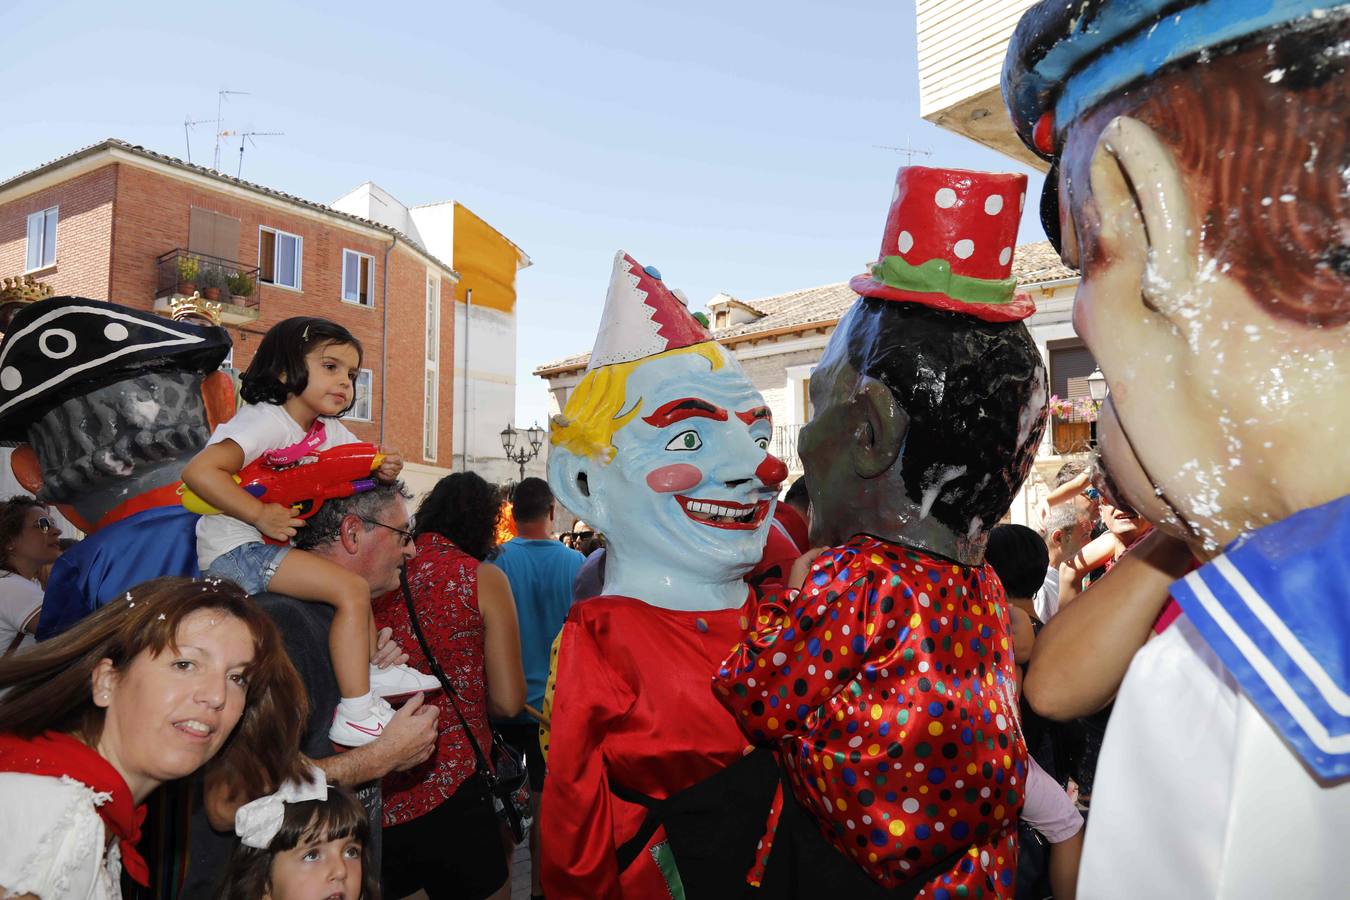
(887, 685)
(444, 584)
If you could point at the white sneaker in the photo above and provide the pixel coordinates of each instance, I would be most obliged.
(401, 681)
(350, 732)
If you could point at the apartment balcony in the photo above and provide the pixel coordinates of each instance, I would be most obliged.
(180, 273)
(784, 446)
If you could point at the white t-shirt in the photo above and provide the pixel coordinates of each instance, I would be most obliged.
(19, 599)
(1197, 796)
(1046, 600)
(256, 428)
(53, 839)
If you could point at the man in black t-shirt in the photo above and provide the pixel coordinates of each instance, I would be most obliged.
(368, 534)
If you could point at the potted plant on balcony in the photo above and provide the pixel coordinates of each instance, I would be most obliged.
(188, 270)
(213, 279)
(240, 285)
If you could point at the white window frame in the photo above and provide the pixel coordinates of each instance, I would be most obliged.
(431, 377)
(43, 262)
(276, 251)
(368, 377)
(355, 299)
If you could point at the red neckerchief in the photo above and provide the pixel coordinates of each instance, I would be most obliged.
(307, 445)
(60, 755)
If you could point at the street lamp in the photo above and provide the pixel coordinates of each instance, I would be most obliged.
(534, 435)
(1097, 386)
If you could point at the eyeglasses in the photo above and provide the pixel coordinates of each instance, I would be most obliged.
(1092, 493)
(44, 525)
(406, 535)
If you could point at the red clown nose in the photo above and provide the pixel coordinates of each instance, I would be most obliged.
(773, 471)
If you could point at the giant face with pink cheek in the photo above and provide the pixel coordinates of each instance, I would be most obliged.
(692, 484)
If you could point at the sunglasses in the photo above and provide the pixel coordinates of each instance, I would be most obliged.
(44, 525)
(407, 536)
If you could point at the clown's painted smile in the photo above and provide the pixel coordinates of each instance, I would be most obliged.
(725, 513)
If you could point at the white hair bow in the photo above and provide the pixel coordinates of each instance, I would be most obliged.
(258, 821)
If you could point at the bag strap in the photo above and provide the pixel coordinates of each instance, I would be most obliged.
(483, 768)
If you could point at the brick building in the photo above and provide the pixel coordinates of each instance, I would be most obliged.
(117, 222)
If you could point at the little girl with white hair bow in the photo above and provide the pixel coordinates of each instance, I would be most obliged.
(309, 840)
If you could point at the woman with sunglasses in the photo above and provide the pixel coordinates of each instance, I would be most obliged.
(29, 541)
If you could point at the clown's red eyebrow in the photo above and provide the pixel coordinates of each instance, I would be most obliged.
(685, 408)
(751, 416)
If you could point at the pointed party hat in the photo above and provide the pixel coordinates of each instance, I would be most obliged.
(642, 317)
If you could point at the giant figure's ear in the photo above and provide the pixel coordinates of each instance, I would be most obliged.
(1142, 200)
(878, 424)
(569, 479)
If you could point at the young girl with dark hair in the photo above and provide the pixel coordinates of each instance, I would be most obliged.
(307, 840)
(300, 381)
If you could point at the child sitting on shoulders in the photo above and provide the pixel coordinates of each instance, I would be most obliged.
(301, 379)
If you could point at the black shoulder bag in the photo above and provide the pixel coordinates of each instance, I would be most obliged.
(510, 776)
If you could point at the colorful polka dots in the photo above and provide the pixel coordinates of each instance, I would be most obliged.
(904, 741)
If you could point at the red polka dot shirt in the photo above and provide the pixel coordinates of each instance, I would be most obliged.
(886, 685)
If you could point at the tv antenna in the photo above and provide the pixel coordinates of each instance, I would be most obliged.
(190, 123)
(248, 136)
(908, 150)
(220, 132)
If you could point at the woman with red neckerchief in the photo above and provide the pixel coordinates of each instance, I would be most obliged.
(176, 675)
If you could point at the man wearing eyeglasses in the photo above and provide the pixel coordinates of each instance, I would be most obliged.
(370, 535)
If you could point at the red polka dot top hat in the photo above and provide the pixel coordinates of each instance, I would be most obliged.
(949, 243)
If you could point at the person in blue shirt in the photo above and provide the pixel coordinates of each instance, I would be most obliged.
(541, 571)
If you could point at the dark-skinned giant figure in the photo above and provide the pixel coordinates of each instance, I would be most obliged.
(885, 682)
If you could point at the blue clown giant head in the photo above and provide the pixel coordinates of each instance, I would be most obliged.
(663, 448)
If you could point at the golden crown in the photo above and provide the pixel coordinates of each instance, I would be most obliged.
(189, 307)
(24, 289)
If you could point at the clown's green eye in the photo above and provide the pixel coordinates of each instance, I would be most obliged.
(685, 440)
(762, 443)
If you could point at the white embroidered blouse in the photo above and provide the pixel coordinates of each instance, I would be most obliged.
(54, 840)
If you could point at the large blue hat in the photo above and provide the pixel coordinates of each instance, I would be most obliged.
(1068, 55)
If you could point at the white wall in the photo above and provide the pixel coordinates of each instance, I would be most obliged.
(370, 201)
(961, 48)
(485, 339)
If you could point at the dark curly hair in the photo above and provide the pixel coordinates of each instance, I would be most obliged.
(13, 518)
(1019, 557)
(462, 508)
(278, 370)
(338, 817)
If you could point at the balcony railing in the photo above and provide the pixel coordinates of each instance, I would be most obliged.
(181, 272)
(784, 446)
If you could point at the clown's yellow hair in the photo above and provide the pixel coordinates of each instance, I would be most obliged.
(595, 411)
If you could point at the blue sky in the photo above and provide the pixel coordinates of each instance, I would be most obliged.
(728, 144)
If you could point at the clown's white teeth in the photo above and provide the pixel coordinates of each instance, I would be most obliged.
(716, 509)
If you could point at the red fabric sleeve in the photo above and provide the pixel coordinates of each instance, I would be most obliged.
(577, 848)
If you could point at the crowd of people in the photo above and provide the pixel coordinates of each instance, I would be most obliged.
(877, 686)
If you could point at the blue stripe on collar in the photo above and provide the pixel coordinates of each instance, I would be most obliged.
(1275, 607)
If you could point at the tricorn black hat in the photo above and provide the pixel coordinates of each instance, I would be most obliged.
(67, 346)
